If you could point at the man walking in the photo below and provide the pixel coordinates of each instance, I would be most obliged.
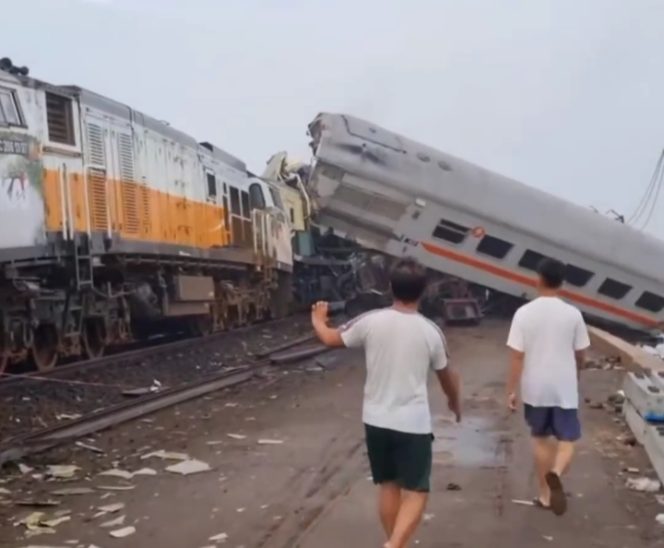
(548, 339)
(401, 347)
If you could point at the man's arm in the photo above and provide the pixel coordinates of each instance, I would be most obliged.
(580, 356)
(450, 383)
(516, 369)
(329, 336)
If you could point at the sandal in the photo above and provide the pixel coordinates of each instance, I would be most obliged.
(537, 503)
(558, 497)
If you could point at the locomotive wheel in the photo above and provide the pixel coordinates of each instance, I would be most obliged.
(44, 350)
(94, 338)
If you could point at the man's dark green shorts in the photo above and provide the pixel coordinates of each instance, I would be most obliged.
(399, 457)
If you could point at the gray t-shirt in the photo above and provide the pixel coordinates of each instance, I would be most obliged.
(400, 350)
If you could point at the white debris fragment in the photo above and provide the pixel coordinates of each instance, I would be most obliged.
(191, 466)
(145, 472)
(124, 532)
(237, 436)
(68, 416)
(116, 487)
(660, 499)
(55, 521)
(547, 538)
(165, 455)
(240, 510)
(111, 508)
(221, 537)
(89, 447)
(4, 491)
(523, 502)
(231, 404)
(117, 473)
(117, 522)
(61, 471)
(427, 517)
(645, 485)
(72, 491)
(24, 468)
(270, 442)
(214, 442)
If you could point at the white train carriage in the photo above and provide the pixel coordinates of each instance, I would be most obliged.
(403, 198)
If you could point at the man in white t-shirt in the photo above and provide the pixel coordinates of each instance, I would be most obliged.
(401, 348)
(548, 339)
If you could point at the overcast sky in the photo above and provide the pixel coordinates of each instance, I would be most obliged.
(564, 95)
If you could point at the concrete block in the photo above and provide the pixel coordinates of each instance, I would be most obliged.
(654, 445)
(636, 422)
(641, 391)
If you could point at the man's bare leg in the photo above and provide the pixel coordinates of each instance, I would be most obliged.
(389, 499)
(563, 457)
(410, 513)
(544, 450)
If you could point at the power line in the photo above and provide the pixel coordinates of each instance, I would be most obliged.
(652, 189)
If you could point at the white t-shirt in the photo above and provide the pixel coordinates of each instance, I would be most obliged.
(549, 330)
(400, 350)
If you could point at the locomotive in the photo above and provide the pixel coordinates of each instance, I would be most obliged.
(113, 222)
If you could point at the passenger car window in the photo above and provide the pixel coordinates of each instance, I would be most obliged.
(494, 247)
(650, 301)
(531, 260)
(452, 232)
(613, 288)
(577, 276)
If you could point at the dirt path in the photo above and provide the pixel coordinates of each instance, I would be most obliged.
(312, 489)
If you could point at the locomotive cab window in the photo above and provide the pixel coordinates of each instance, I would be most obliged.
(10, 114)
(256, 196)
(494, 247)
(531, 260)
(211, 184)
(577, 276)
(650, 301)
(59, 116)
(613, 288)
(451, 232)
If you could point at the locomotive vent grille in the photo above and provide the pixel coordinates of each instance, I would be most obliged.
(97, 199)
(96, 150)
(126, 154)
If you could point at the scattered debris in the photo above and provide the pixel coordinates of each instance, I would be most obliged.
(117, 522)
(24, 468)
(68, 416)
(165, 455)
(38, 523)
(124, 532)
(45, 503)
(156, 386)
(190, 466)
(116, 487)
(427, 517)
(270, 442)
(214, 442)
(89, 447)
(660, 499)
(644, 485)
(55, 521)
(145, 472)
(523, 502)
(72, 491)
(4, 491)
(453, 487)
(632, 470)
(659, 518)
(111, 508)
(548, 538)
(61, 471)
(221, 537)
(237, 436)
(618, 398)
(117, 473)
(231, 404)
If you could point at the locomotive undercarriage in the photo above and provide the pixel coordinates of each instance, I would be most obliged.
(53, 310)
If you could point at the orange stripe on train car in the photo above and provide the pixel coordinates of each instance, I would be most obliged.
(532, 282)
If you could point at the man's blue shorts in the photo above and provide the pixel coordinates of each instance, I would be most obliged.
(563, 424)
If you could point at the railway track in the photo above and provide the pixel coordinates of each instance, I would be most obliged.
(37, 401)
(22, 445)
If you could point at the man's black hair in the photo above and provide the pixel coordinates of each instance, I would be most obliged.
(408, 280)
(552, 273)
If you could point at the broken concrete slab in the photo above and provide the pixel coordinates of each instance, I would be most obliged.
(187, 467)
